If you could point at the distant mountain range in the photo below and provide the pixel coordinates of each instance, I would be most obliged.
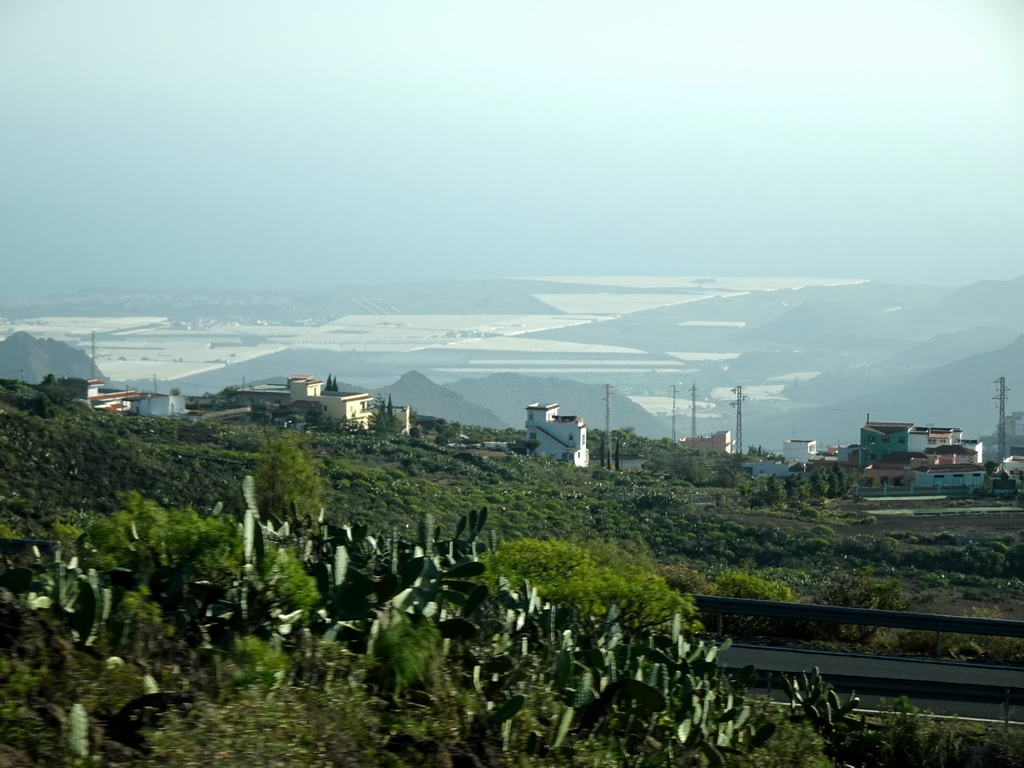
(958, 394)
(23, 356)
(813, 359)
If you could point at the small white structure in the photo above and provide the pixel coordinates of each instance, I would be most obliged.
(978, 447)
(950, 476)
(781, 469)
(560, 437)
(158, 405)
(920, 439)
(799, 450)
(1013, 465)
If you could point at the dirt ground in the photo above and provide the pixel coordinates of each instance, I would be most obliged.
(983, 521)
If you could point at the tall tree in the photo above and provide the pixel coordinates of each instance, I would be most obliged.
(285, 475)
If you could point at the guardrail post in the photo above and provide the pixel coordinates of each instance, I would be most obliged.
(938, 644)
(719, 623)
(1006, 710)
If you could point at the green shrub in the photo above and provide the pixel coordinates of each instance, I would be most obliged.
(566, 573)
(144, 536)
(745, 585)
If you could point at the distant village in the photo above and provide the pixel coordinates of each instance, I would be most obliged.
(894, 458)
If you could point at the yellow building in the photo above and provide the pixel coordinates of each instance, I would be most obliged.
(353, 408)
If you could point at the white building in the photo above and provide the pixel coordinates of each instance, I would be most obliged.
(1015, 424)
(560, 437)
(799, 450)
(950, 476)
(978, 447)
(781, 469)
(1013, 465)
(158, 405)
(920, 439)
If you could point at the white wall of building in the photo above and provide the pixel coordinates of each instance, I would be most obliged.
(160, 405)
(922, 438)
(560, 437)
(799, 450)
(759, 468)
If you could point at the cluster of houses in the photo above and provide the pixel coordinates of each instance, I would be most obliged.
(303, 395)
(128, 401)
(900, 453)
(300, 397)
(895, 454)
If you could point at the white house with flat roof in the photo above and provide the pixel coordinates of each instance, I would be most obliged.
(152, 404)
(799, 450)
(560, 437)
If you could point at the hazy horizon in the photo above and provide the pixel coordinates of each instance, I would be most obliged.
(259, 146)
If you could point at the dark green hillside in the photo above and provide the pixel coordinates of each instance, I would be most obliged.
(60, 461)
(451, 606)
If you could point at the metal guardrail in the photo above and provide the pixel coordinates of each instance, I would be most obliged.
(908, 491)
(938, 687)
(865, 616)
(16, 546)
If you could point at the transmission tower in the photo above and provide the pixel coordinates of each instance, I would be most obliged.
(607, 425)
(693, 410)
(673, 414)
(738, 405)
(1001, 391)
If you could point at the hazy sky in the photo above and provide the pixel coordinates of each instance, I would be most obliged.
(259, 144)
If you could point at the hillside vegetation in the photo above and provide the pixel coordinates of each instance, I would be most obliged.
(240, 595)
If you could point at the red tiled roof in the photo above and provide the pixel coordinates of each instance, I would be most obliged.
(951, 469)
(955, 450)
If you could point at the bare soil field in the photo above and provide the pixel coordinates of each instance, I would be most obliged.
(920, 521)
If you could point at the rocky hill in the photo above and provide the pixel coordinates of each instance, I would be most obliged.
(430, 399)
(23, 356)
